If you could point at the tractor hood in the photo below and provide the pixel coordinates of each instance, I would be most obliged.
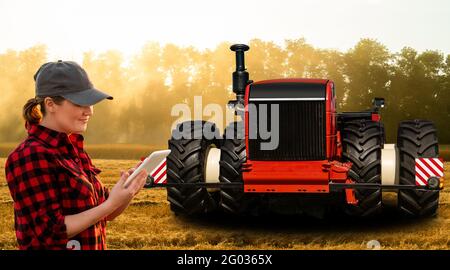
(288, 90)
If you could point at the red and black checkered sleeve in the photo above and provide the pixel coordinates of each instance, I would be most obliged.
(33, 182)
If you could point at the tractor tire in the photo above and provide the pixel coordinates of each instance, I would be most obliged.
(383, 135)
(233, 155)
(186, 164)
(416, 138)
(362, 144)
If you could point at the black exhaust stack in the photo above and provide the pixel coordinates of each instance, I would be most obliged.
(240, 76)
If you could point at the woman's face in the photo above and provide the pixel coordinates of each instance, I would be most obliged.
(71, 118)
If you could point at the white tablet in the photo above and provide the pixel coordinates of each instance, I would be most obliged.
(149, 164)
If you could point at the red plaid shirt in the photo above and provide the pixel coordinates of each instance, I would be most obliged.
(50, 176)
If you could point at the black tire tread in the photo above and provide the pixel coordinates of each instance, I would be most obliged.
(185, 165)
(416, 138)
(362, 144)
(233, 155)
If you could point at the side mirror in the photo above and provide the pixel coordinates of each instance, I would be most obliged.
(377, 103)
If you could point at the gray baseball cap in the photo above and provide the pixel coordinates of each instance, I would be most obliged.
(68, 80)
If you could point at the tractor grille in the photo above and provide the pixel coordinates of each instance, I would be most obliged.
(301, 132)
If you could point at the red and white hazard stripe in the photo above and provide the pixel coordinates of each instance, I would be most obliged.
(427, 168)
(159, 174)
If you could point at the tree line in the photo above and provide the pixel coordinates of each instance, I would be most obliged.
(145, 87)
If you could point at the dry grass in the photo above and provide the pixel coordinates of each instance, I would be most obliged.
(149, 224)
(444, 152)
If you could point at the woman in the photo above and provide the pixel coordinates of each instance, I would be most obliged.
(59, 202)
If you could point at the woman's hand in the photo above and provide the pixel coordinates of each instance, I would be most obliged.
(121, 195)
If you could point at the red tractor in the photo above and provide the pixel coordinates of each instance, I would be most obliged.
(323, 160)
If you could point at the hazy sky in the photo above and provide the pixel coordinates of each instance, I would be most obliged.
(70, 27)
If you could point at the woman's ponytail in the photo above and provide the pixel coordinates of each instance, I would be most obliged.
(31, 113)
